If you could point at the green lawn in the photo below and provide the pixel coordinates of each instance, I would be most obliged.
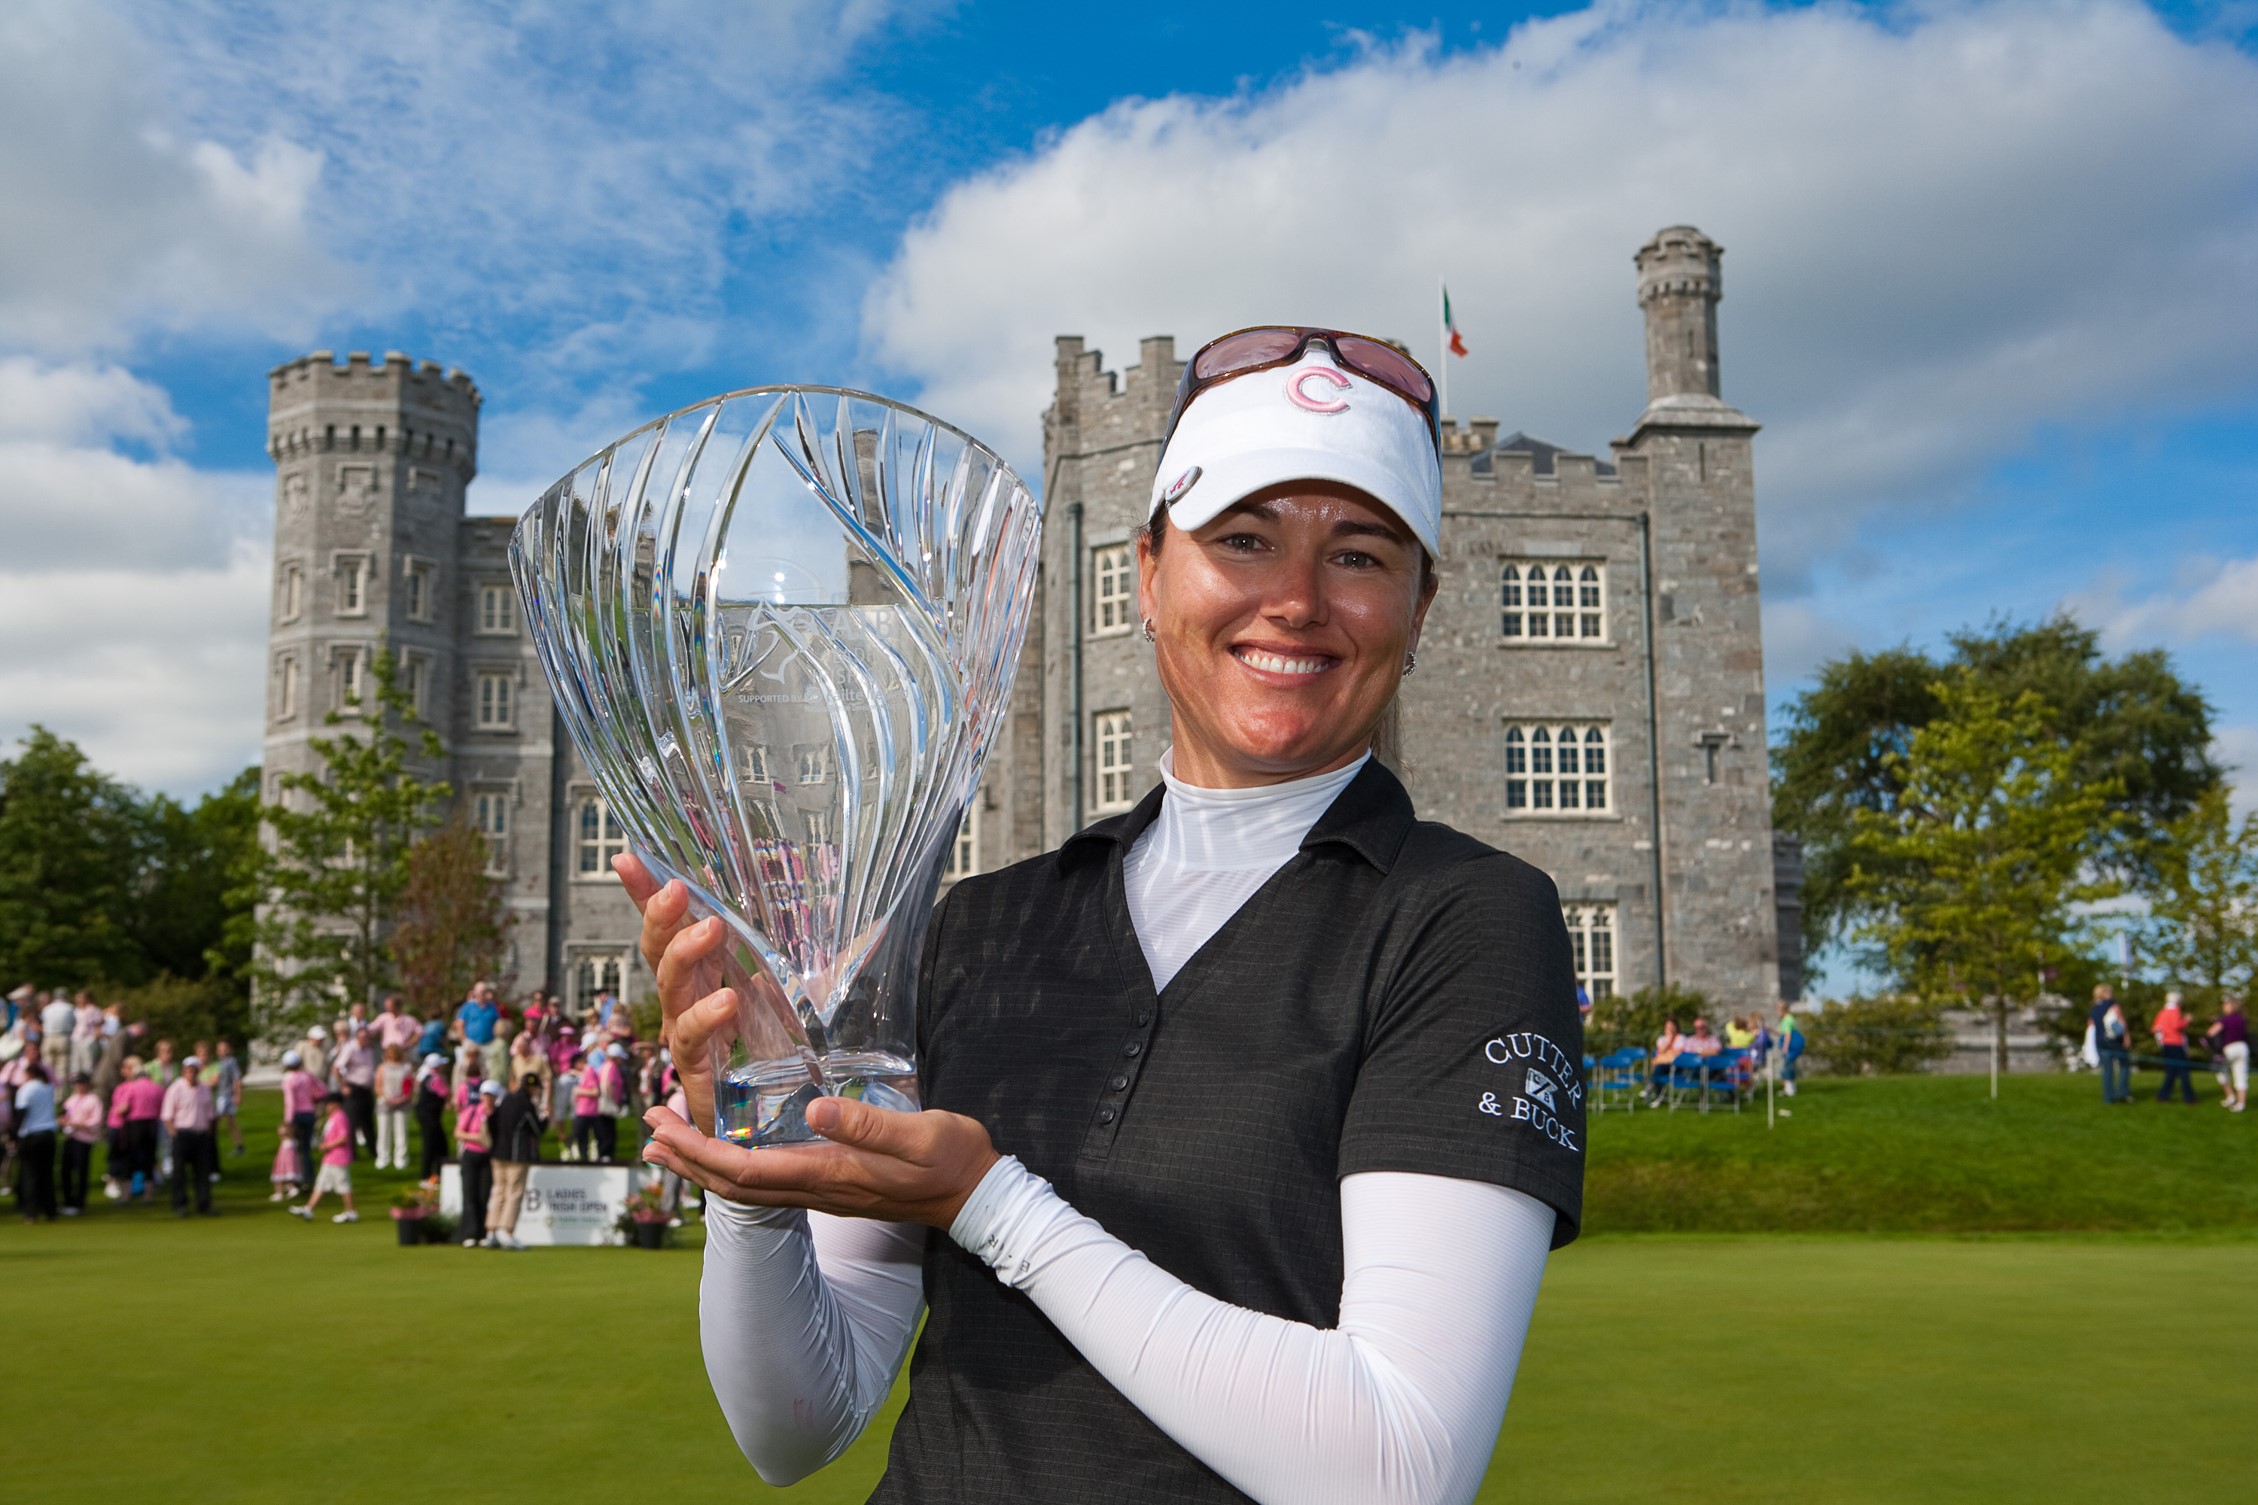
(1929, 1154)
(251, 1357)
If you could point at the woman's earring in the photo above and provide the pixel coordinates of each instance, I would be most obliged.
(1149, 637)
(1410, 662)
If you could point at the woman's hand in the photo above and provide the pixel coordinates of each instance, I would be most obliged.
(686, 960)
(875, 1163)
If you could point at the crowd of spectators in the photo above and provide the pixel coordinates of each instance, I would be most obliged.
(483, 1084)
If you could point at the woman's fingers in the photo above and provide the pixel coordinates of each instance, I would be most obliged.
(901, 1167)
(665, 911)
(635, 878)
(681, 964)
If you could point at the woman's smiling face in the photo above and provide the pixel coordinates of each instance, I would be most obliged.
(1281, 628)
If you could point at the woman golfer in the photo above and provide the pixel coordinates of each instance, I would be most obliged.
(1251, 1114)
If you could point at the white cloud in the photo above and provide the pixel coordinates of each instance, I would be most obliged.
(1798, 637)
(2210, 597)
(157, 673)
(118, 223)
(1945, 225)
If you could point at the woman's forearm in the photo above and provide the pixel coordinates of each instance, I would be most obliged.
(805, 1320)
(1398, 1405)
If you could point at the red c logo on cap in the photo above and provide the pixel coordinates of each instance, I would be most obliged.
(1301, 399)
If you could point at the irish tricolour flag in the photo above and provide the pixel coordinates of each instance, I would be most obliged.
(1453, 340)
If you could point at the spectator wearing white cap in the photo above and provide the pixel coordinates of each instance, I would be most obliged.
(188, 1117)
(431, 1115)
(474, 1140)
(301, 1096)
(313, 1051)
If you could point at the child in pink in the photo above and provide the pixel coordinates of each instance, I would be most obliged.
(336, 1173)
(289, 1173)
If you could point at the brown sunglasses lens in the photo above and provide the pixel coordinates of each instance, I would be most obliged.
(1388, 365)
(1244, 350)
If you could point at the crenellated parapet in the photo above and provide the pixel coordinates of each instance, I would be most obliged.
(396, 406)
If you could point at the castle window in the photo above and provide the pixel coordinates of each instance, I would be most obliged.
(819, 827)
(1115, 590)
(600, 838)
(811, 762)
(290, 594)
(352, 585)
(415, 679)
(490, 814)
(1552, 603)
(756, 765)
(352, 677)
(415, 584)
(286, 687)
(497, 610)
(1554, 768)
(495, 687)
(964, 852)
(1591, 944)
(593, 975)
(1115, 742)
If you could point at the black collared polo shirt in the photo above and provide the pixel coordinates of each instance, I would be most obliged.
(1398, 997)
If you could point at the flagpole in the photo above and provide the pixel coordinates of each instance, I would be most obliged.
(1442, 345)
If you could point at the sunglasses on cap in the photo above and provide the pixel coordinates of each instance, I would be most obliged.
(1267, 346)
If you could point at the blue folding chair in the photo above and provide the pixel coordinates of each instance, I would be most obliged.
(1619, 1072)
(1724, 1075)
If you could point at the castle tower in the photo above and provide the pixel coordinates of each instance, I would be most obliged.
(1717, 926)
(1680, 281)
(371, 462)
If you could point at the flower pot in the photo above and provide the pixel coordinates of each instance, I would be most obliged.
(650, 1235)
(410, 1231)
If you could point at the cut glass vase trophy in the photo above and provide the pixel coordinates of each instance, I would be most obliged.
(781, 627)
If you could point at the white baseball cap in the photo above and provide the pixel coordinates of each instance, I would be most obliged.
(1310, 420)
(292, 1058)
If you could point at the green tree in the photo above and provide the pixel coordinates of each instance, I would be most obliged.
(190, 856)
(451, 927)
(2202, 926)
(1970, 880)
(335, 859)
(2131, 723)
(1886, 1036)
(69, 853)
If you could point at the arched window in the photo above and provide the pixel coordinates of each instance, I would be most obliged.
(1516, 769)
(1509, 593)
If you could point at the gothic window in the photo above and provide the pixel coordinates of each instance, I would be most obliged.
(1591, 943)
(497, 611)
(599, 837)
(286, 687)
(290, 594)
(811, 762)
(1113, 589)
(1556, 768)
(819, 827)
(495, 688)
(756, 764)
(1114, 740)
(1552, 603)
(964, 852)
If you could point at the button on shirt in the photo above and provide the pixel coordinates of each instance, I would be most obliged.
(1396, 997)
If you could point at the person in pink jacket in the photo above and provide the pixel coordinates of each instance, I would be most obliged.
(82, 1125)
(336, 1173)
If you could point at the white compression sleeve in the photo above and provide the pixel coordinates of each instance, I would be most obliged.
(1398, 1405)
(805, 1320)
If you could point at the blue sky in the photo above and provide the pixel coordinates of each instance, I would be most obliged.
(1987, 272)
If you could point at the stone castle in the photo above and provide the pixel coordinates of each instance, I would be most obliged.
(1590, 690)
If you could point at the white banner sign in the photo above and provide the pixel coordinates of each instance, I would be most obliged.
(564, 1204)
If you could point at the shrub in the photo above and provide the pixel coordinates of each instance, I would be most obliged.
(176, 1009)
(1884, 1036)
(1636, 1018)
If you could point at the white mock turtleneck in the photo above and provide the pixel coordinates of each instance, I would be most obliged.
(1207, 853)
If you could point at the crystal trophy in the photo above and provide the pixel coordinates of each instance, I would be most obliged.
(781, 627)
